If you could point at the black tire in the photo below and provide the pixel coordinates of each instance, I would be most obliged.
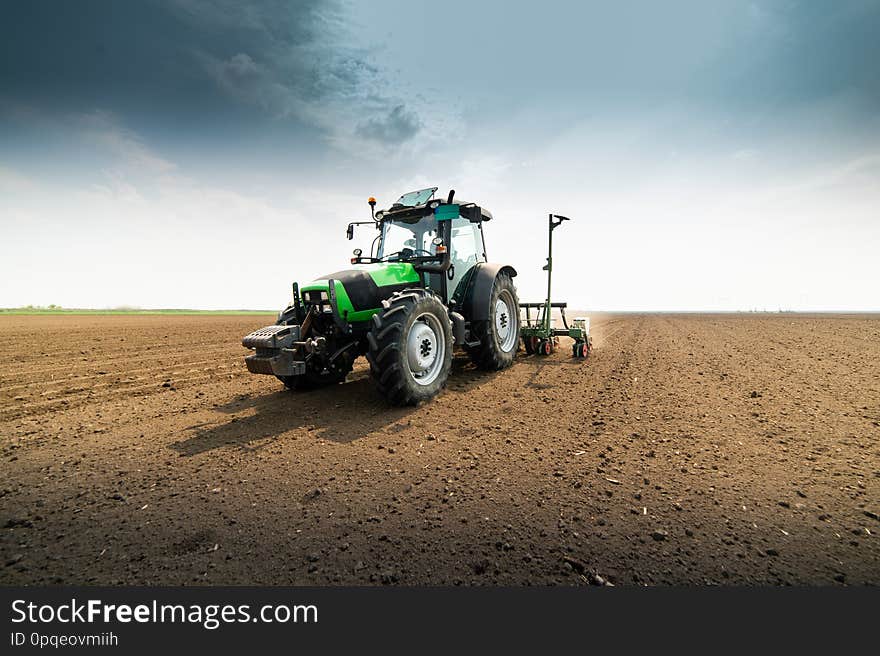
(397, 373)
(497, 352)
(287, 315)
(529, 345)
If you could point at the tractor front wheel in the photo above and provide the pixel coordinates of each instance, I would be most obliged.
(410, 347)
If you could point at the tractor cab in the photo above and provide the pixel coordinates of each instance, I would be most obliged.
(442, 240)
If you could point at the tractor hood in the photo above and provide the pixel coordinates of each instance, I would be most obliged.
(360, 291)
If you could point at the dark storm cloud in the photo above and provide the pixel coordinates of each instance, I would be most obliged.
(398, 126)
(189, 61)
(301, 70)
(281, 56)
(800, 52)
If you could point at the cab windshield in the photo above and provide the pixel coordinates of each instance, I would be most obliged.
(414, 198)
(402, 240)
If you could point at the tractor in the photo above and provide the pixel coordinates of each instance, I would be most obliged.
(426, 288)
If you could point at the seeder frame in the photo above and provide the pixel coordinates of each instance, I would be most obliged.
(538, 334)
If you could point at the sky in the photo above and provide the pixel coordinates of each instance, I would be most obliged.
(207, 153)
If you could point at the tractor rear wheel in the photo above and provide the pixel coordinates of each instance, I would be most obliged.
(410, 347)
(499, 335)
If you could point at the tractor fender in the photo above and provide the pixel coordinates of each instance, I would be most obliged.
(476, 304)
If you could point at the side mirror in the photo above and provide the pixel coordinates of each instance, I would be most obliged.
(357, 252)
(349, 231)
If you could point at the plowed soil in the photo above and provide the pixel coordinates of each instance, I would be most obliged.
(689, 449)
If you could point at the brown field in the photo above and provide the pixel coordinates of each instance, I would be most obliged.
(690, 449)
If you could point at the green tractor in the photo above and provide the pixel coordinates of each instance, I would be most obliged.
(425, 289)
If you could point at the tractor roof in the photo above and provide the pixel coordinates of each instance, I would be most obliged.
(416, 204)
(482, 213)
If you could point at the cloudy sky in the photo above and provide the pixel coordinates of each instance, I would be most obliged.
(206, 153)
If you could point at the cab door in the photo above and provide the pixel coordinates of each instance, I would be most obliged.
(466, 248)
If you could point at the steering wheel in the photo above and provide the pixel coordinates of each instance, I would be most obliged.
(396, 255)
(405, 253)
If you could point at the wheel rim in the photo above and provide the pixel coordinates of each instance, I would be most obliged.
(425, 349)
(505, 322)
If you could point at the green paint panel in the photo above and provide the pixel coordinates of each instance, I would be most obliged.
(382, 273)
(391, 273)
(363, 315)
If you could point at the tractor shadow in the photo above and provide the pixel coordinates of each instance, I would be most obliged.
(340, 413)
